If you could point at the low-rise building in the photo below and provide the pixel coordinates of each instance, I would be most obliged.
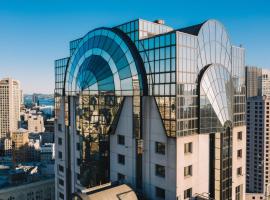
(42, 190)
(20, 145)
(35, 123)
(7, 147)
(47, 152)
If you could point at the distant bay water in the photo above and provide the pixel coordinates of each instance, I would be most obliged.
(40, 99)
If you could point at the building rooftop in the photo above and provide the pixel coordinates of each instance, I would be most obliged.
(123, 192)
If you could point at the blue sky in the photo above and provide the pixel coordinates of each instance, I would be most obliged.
(33, 33)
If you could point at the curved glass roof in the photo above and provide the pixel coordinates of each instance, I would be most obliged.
(214, 45)
(216, 84)
(104, 61)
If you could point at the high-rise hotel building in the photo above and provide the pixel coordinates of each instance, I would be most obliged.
(161, 109)
(10, 102)
(258, 130)
(257, 81)
(258, 148)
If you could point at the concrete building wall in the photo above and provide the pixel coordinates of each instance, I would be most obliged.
(153, 131)
(60, 148)
(239, 180)
(124, 128)
(198, 159)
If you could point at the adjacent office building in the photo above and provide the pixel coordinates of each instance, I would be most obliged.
(257, 81)
(258, 177)
(258, 108)
(161, 109)
(10, 102)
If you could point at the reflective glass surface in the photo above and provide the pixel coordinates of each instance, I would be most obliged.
(214, 45)
(216, 99)
(60, 69)
(159, 57)
(102, 61)
(96, 118)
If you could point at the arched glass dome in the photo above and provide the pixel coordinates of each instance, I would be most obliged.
(105, 60)
(214, 46)
(216, 98)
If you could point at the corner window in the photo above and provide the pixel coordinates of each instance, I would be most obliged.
(59, 127)
(61, 182)
(239, 135)
(160, 193)
(160, 148)
(160, 170)
(239, 171)
(78, 161)
(78, 176)
(238, 193)
(188, 193)
(188, 147)
(60, 155)
(239, 153)
(188, 171)
(121, 139)
(60, 168)
(61, 195)
(78, 146)
(121, 177)
(121, 159)
(60, 141)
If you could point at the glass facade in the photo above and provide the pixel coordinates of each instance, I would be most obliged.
(216, 98)
(96, 118)
(194, 74)
(60, 69)
(103, 61)
(187, 86)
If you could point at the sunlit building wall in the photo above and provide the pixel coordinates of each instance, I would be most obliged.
(10, 102)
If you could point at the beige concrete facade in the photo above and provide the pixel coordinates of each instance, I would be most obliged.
(239, 162)
(10, 101)
(35, 123)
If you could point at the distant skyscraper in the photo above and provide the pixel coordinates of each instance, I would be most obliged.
(252, 81)
(264, 80)
(258, 148)
(35, 99)
(160, 109)
(258, 94)
(10, 102)
(257, 81)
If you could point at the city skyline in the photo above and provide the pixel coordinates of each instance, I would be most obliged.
(34, 33)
